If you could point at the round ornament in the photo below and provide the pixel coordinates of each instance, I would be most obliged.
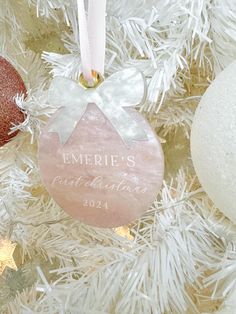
(99, 158)
(213, 141)
(11, 84)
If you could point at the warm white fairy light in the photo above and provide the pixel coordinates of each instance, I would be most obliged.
(7, 249)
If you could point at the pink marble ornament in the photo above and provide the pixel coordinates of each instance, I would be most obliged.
(95, 177)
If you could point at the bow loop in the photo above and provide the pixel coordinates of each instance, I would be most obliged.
(59, 90)
(126, 88)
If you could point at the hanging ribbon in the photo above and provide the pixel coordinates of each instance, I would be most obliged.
(92, 33)
(126, 88)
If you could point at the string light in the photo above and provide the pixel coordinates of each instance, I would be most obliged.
(7, 249)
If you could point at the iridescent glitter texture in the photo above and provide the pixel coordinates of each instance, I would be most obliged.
(11, 84)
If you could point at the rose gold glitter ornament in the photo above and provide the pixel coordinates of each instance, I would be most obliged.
(99, 158)
(11, 84)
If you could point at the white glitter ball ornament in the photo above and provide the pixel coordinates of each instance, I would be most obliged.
(213, 141)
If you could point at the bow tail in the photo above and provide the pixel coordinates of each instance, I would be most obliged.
(65, 122)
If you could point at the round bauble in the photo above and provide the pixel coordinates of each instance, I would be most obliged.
(95, 177)
(11, 84)
(213, 141)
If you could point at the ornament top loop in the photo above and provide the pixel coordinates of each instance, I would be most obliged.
(96, 81)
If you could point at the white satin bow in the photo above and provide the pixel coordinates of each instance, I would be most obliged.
(126, 88)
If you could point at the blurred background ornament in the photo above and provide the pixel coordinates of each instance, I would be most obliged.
(11, 85)
(213, 141)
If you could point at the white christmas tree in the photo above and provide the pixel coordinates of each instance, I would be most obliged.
(180, 257)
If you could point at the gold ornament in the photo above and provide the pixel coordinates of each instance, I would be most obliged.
(7, 249)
